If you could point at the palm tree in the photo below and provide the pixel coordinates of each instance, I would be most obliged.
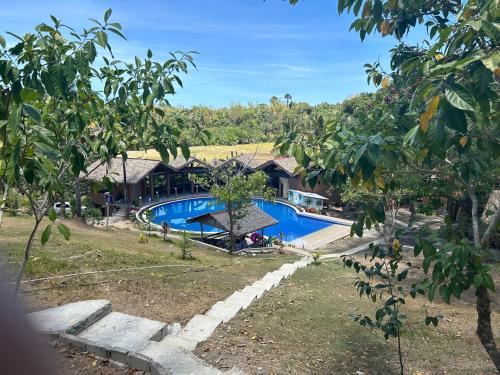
(288, 99)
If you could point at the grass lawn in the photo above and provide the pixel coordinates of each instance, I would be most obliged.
(301, 327)
(214, 152)
(169, 294)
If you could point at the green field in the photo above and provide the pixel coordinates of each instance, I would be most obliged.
(262, 150)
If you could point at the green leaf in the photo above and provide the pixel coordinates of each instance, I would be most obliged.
(185, 150)
(432, 292)
(13, 122)
(150, 53)
(46, 234)
(426, 264)
(163, 152)
(2, 41)
(452, 117)
(107, 14)
(359, 152)
(459, 97)
(377, 10)
(28, 95)
(402, 275)
(32, 112)
(52, 214)
(488, 282)
(102, 38)
(63, 229)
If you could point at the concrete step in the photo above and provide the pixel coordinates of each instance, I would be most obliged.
(171, 359)
(256, 290)
(240, 299)
(200, 328)
(224, 310)
(72, 318)
(129, 332)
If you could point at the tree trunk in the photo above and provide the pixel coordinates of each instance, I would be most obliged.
(62, 211)
(78, 200)
(483, 305)
(4, 199)
(125, 190)
(475, 220)
(27, 251)
(232, 242)
(484, 331)
(413, 214)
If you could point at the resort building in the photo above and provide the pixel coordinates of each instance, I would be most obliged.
(153, 180)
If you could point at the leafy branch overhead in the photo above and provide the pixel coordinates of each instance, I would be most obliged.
(431, 130)
(66, 101)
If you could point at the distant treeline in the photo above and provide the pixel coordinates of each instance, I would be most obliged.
(252, 123)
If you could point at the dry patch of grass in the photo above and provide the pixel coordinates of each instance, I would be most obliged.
(262, 150)
(173, 293)
(302, 327)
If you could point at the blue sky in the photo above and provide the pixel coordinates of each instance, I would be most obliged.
(249, 50)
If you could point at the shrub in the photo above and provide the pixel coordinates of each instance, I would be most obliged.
(92, 216)
(186, 245)
(316, 255)
(150, 215)
(164, 230)
(142, 238)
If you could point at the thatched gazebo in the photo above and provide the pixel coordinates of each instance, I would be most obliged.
(252, 220)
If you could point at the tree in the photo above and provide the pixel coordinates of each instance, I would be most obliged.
(235, 188)
(55, 121)
(448, 131)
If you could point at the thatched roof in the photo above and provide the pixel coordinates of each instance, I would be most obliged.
(137, 169)
(253, 220)
(289, 165)
(258, 162)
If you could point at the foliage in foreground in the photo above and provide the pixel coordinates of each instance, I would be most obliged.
(55, 119)
(438, 121)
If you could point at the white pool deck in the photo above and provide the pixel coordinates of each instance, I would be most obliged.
(339, 229)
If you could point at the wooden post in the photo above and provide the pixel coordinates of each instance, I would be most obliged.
(262, 234)
(167, 177)
(151, 187)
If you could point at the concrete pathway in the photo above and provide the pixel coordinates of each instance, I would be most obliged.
(146, 344)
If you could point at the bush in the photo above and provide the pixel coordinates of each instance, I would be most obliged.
(186, 245)
(316, 255)
(142, 238)
(164, 230)
(92, 216)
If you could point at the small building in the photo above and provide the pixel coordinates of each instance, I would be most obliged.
(252, 220)
(306, 199)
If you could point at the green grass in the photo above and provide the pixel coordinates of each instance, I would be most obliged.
(173, 293)
(302, 327)
(262, 150)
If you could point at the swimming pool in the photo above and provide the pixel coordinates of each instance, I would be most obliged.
(292, 224)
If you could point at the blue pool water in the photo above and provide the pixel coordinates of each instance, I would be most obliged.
(289, 222)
